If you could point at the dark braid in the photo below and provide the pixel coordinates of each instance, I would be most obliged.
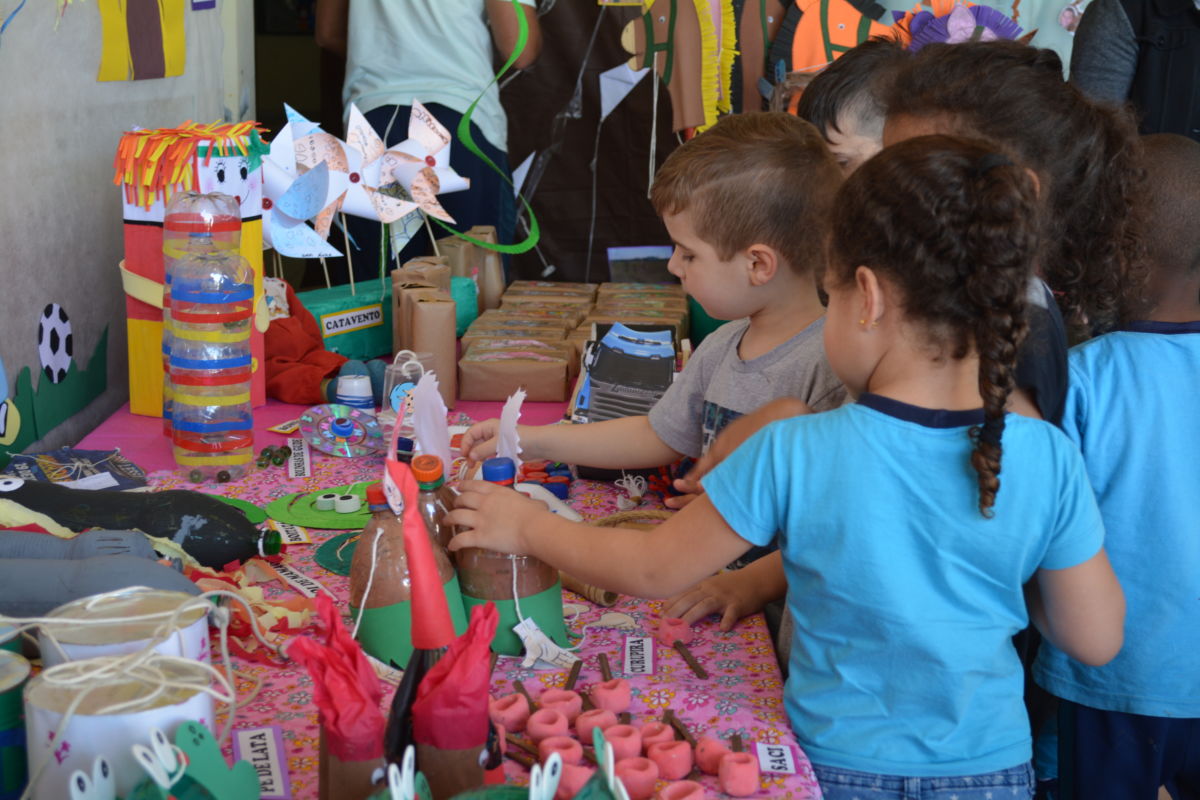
(953, 226)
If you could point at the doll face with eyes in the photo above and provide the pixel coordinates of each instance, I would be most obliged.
(232, 175)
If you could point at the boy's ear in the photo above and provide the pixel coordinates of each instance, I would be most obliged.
(762, 263)
(871, 296)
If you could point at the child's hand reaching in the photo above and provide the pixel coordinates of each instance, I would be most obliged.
(479, 442)
(725, 593)
(494, 517)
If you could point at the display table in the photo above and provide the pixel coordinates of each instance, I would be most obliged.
(742, 694)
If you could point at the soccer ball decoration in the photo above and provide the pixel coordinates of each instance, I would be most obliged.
(55, 344)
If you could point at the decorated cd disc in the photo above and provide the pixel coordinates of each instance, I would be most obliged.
(341, 430)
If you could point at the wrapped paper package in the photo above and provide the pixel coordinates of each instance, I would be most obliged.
(425, 322)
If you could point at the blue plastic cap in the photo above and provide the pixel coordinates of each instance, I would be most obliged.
(499, 470)
(341, 426)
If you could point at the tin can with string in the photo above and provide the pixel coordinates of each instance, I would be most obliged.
(79, 710)
(14, 671)
(83, 634)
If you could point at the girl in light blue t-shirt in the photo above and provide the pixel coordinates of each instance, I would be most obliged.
(909, 521)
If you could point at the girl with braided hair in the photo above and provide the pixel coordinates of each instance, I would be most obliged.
(908, 521)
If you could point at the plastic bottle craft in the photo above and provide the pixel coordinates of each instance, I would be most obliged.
(207, 337)
(522, 587)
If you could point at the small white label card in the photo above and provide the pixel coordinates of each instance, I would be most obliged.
(639, 655)
(263, 749)
(99, 480)
(538, 647)
(291, 534)
(301, 582)
(300, 463)
(290, 426)
(780, 758)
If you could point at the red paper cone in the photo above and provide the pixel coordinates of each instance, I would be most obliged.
(432, 628)
(451, 709)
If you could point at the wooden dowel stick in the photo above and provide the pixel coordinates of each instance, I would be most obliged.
(573, 677)
(520, 687)
(735, 742)
(605, 669)
(521, 743)
(682, 649)
(676, 723)
(519, 757)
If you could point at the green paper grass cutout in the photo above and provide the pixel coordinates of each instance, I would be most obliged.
(207, 766)
(336, 554)
(300, 509)
(254, 514)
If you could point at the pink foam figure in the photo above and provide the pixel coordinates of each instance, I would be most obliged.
(709, 752)
(674, 758)
(570, 750)
(683, 790)
(591, 719)
(639, 776)
(673, 629)
(572, 780)
(547, 722)
(614, 695)
(738, 774)
(626, 741)
(565, 700)
(511, 711)
(655, 732)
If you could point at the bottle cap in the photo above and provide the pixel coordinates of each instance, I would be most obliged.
(272, 542)
(375, 495)
(427, 468)
(499, 470)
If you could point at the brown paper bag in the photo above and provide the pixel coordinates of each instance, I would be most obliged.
(494, 375)
(491, 268)
(432, 270)
(344, 780)
(425, 323)
(464, 259)
(450, 772)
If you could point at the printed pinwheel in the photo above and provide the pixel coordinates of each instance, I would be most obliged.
(290, 198)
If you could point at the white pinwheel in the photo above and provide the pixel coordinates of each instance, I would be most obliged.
(290, 198)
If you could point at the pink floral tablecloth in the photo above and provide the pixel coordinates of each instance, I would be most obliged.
(742, 695)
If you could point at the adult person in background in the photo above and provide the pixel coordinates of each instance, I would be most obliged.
(440, 53)
(1146, 52)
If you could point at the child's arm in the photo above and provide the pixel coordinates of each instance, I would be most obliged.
(625, 443)
(1080, 609)
(687, 547)
(734, 594)
(729, 440)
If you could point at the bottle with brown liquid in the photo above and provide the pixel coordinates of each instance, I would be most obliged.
(435, 500)
(381, 588)
(490, 576)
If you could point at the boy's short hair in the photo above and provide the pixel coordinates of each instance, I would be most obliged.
(1171, 205)
(854, 85)
(764, 177)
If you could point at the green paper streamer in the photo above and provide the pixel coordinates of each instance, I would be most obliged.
(464, 136)
(386, 631)
(544, 608)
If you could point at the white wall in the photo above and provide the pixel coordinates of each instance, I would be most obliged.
(60, 214)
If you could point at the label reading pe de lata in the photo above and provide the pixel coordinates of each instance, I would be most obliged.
(262, 748)
(778, 758)
(639, 655)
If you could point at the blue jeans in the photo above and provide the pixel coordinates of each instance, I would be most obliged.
(1015, 783)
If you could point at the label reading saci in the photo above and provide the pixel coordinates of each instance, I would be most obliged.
(776, 758)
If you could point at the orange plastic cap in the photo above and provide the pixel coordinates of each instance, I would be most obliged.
(427, 468)
(375, 495)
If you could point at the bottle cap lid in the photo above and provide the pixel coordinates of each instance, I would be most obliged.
(499, 470)
(272, 542)
(427, 468)
(375, 495)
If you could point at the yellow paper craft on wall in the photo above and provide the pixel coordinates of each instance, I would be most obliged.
(141, 39)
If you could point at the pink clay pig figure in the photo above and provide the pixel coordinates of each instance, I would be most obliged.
(546, 722)
(592, 719)
(674, 759)
(709, 752)
(639, 776)
(572, 780)
(673, 629)
(683, 790)
(625, 740)
(614, 695)
(655, 732)
(738, 774)
(510, 711)
(570, 750)
(565, 700)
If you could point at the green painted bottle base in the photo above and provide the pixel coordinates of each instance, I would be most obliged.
(386, 631)
(545, 608)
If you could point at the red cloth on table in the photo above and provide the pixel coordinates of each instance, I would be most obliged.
(297, 361)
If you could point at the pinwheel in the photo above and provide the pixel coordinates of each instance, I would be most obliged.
(290, 198)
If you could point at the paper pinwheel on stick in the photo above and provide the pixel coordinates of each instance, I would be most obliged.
(290, 198)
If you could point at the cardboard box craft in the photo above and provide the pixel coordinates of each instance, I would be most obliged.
(424, 322)
(571, 315)
(643, 318)
(568, 350)
(640, 289)
(521, 322)
(496, 374)
(572, 287)
(469, 260)
(542, 299)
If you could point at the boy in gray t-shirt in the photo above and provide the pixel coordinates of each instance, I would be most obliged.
(747, 206)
